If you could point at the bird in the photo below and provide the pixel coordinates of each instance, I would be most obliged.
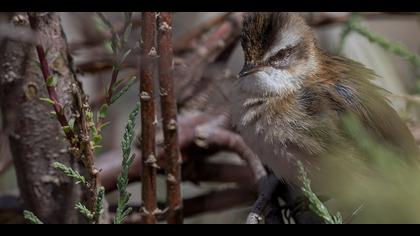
(295, 104)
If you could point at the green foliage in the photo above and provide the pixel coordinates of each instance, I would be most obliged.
(354, 25)
(36, 63)
(47, 100)
(99, 202)
(125, 55)
(102, 22)
(127, 25)
(84, 211)
(31, 217)
(127, 32)
(315, 204)
(103, 111)
(123, 210)
(52, 81)
(66, 129)
(71, 123)
(346, 31)
(375, 177)
(123, 90)
(115, 45)
(78, 178)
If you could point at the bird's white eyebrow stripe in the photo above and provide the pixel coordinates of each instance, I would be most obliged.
(288, 39)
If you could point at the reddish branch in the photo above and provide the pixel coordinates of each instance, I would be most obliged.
(169, 120)
(80, 145)
(148, 118)
(59, 111)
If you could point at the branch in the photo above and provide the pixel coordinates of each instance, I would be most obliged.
(51, 83)
(81, 147)
(147, 74)
(35, 137)
(209, 47)
(117, 44)
(267, 188)
(208, 202)
(110, 163)
(169, 119)
(208, 136)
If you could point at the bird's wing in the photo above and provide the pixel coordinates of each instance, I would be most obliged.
(353, 93)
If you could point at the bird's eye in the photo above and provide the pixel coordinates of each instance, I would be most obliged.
(283, 53)
(281, 56)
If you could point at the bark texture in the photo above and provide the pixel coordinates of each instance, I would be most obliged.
(36, 137)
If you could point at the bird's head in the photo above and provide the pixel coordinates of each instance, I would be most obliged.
(280, 50)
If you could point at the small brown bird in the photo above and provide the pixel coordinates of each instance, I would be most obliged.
(292, 102)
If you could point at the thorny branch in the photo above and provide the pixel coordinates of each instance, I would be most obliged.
(148, 117)
(169, 118)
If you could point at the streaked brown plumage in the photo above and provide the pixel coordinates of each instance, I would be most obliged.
(292, 100)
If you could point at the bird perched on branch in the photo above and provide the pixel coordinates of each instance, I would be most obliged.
(293, 102)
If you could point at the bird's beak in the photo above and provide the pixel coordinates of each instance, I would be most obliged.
(248, 69)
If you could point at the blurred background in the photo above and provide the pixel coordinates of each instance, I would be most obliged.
(91, 52)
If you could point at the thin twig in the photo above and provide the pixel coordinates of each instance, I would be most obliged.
(117, 44)
(148, 123)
